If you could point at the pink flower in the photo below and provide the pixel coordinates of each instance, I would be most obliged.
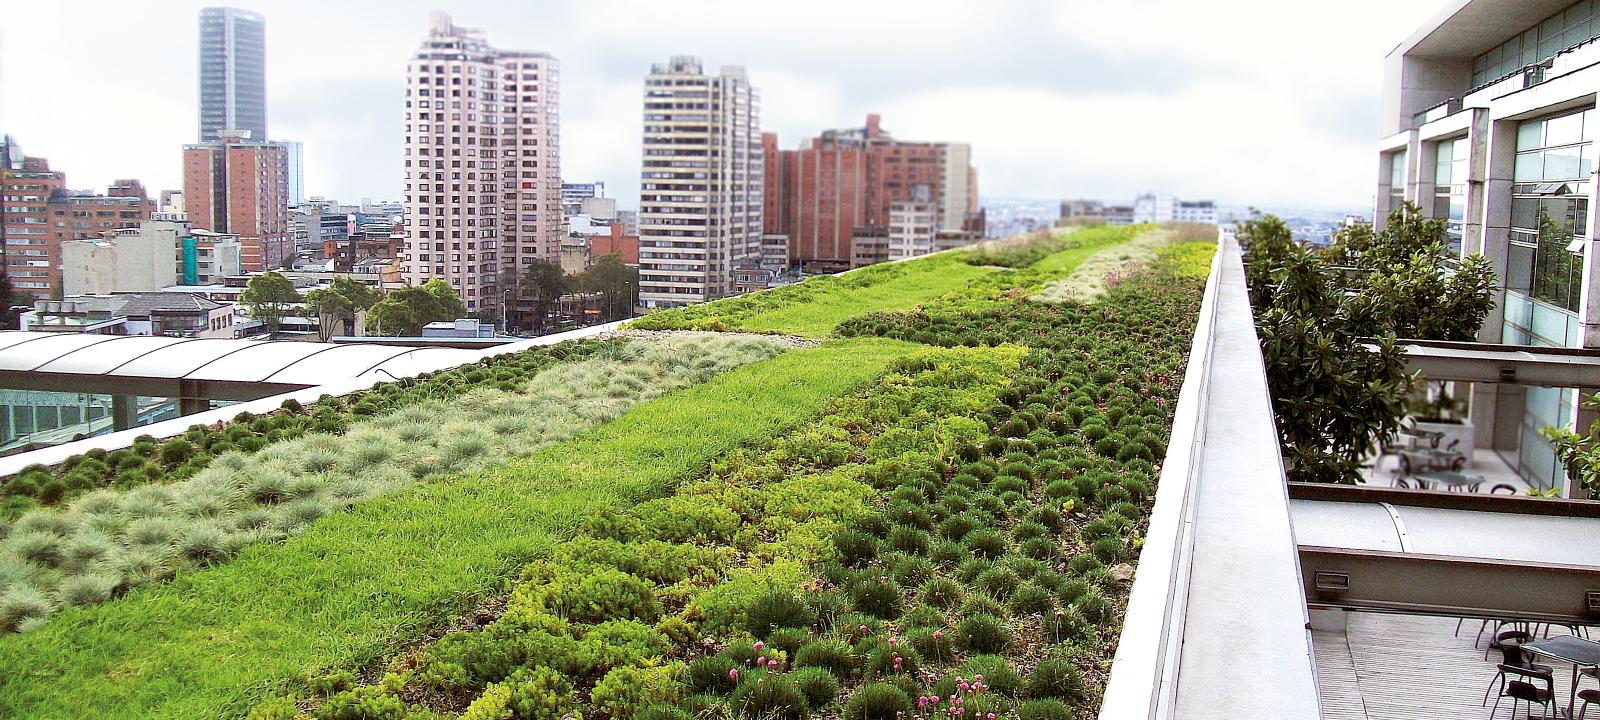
(938, 634)
(733, 675)
(991, 716)
(759, 645)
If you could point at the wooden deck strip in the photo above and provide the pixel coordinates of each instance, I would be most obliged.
(1406, 667)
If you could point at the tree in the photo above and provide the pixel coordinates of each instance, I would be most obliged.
(11, 297)
(339, 302)
(403, 312)
(268, 296)
(1329, 323)
(617, 281)
(542, 283)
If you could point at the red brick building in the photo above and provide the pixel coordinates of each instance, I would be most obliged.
(820, 197)
(241, 187)
(39, 213)
(625, 246)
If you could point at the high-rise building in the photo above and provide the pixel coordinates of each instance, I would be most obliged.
(233, 73)
(241, 187)
(483, 163)
(701, 184)
(835, 191)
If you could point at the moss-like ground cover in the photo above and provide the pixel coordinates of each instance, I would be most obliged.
(955, 541)
(354, 584)
(815, 307)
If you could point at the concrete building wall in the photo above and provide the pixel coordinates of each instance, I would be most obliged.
(143, 259)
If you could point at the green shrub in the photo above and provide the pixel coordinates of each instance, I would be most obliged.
(986, 543)
(969, 569)
(767, 695)
(534, 694)
(956, 527)
(835, 656)
(932, 642)
(1030, 599)
(909, 540)
(943, 593)
(1095, 607)
(1109, 550)
(710, 675)
(947, 553)
(880, 597)
(855, 547)
(879, 701)
(817, 685)
(1039, 548)
(1046, 709)
(776, 609)
(911, 571)
(602, 595)
(997, 673)
(981, 603)
(663, 712)
(982, 633)
(627, 689)
(1056, 679)
(363, 703)
(999, 582)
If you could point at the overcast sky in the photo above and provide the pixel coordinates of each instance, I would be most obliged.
(1265, 102)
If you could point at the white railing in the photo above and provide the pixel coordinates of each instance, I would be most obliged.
(1216, 619)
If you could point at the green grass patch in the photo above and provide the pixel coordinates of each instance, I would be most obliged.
(1190, 259)
(814, 307)
(357, 584)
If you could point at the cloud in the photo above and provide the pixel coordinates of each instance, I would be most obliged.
(1248, 101)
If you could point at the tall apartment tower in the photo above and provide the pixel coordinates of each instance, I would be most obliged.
(233, 73)
(240, 186)
(701, 182)
(483, 163)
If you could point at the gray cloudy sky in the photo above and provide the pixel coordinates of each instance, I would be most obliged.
(1266, 102)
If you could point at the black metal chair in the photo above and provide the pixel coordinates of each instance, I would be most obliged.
(1519, 634)
(1512, 655)
(1587, 696)
(1533, 688)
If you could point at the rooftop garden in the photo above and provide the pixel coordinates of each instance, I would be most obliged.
(936, 509)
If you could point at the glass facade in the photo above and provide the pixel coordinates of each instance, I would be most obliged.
(1544, 269)
(1572, 26)
(1450, 189)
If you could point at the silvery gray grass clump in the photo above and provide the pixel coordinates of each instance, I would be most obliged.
(111, 540)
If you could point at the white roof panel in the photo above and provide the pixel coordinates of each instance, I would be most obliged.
(1513, 537)
(30, 355)
(343, 361)
(105, 357)
(10, 338)
(257, 362)
(177, 361)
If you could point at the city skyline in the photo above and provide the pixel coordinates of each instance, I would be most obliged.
(1030, 86)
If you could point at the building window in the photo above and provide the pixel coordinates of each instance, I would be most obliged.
(1573, 26)
(1397, 178)
(1450, 189)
